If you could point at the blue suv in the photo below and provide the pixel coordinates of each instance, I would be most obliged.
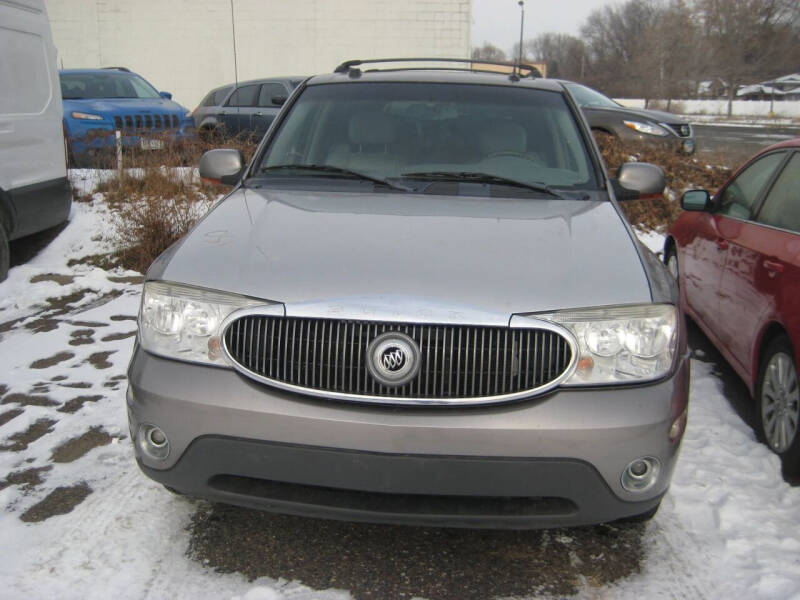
(98, 102)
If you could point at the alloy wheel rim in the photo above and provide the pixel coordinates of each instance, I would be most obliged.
(780, 402)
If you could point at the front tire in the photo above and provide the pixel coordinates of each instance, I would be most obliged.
(778, 398)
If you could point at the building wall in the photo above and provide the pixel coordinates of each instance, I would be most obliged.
(186, 46)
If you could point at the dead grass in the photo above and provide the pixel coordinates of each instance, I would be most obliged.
(156, 202)
(682, 173)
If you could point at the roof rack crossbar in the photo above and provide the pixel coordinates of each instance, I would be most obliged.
(532, 71)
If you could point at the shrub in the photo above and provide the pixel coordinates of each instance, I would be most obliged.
(682, 173)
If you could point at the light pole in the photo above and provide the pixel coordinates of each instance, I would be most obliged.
(521, 26)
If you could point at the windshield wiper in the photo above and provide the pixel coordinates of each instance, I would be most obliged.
(475, 177)
(337, 171)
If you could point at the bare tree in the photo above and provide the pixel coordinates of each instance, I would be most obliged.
(615, 38)
(488, 52)
(564, 54)
(749, 40)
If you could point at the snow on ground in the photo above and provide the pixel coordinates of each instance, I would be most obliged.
(729, 527)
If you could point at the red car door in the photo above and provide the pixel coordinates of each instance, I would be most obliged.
(707, 254)
(763, 256)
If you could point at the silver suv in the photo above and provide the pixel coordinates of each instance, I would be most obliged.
(420, 303)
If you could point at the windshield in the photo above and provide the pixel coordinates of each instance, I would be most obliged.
(111, 84)
(585, 96)
(419, 133)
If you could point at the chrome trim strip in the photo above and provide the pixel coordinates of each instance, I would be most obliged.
(529, 323)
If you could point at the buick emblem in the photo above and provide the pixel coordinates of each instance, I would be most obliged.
(393, 358)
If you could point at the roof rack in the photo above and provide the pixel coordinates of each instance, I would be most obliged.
(350, 66)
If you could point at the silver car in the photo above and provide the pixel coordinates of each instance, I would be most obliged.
(420, 303)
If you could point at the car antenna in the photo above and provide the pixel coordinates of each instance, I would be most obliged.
(235, 63)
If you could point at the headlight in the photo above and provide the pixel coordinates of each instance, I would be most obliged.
(620, 344)
(183, 322)
(86, 116)
(648, 128)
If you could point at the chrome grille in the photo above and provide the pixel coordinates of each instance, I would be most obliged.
(682, 129)
(457, 362)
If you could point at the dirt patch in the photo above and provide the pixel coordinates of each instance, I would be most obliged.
(75, 404)
(20, 441)
(10, 414)
(45, 363)
(40, 388)
(133, 280)
(107, 262)
(62, 304)
(3, 389)
(119, 336)
(59, 279)
(81, 337)
(123, 318)
(29, 400)
(58, 378)
(27, 479)
(42, 324)
(81, 385)
(383, 561)
(99, 360)
(58, 502)
(9, 325)
(92, 324)
(73, 449)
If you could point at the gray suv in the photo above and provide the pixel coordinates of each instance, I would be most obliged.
(420, 303)
(244, 109)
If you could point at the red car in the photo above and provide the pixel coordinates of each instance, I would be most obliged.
(737, 260)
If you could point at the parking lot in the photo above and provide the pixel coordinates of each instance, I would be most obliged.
(77, 509)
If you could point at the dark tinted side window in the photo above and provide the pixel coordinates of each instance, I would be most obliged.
(244, 96)
(208, 100)
(219, 95)
(738, 198)
(268, 90)
(782, 206)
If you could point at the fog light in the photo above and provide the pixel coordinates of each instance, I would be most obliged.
(641, 474)
(153, 442)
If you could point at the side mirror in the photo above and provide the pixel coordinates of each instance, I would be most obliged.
(639, 180)
(278, 100)
(222, 166)
(697, 200)
(166, 95)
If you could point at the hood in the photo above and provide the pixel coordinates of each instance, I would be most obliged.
(124, 105)
(651, 115)
(390, 256)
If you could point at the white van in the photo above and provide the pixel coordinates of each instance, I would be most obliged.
(34, 190)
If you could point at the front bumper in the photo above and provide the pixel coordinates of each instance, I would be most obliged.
(550, 461)
(685, 145)
(85, 136)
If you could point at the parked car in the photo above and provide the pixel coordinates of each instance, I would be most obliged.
(34, 190)
(633, 124)
(420, 303)
(99, 102)
(737, 258)
(247, 109)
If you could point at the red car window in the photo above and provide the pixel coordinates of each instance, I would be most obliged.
(782, 206)
(740, 195)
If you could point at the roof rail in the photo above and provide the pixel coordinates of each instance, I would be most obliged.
(126, 69)
(350, 66)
